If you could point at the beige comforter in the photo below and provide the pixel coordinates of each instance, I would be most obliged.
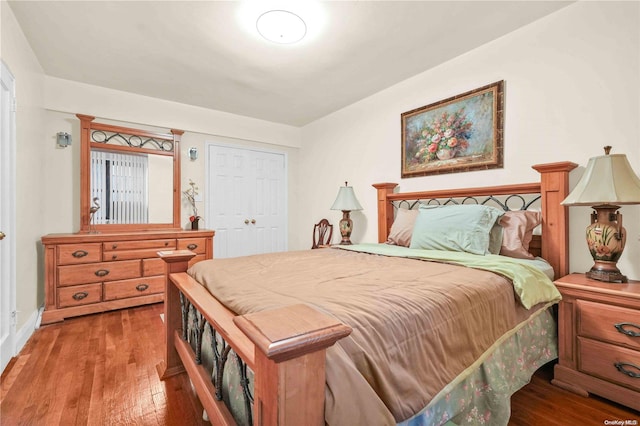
(416, 324)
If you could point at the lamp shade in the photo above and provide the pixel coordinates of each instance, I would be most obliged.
(346, 200)
(608, 179)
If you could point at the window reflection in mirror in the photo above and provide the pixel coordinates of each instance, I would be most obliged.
(131, 188)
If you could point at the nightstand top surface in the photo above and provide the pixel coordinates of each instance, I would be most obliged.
(580, 281)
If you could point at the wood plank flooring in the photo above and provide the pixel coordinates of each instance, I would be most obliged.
(97, 370)
(101, 370)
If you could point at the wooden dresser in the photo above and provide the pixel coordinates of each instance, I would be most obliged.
(599, 339)
(89, 273)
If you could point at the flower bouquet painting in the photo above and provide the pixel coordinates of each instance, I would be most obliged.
(457, 134)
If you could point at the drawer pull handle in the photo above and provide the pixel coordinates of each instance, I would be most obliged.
(621, 328)
(192, 246)
(115, 246)
(142, 287)
(621, 368)
(79, 254)
(102, 272)
(166, 243)
(80, 296)
(114, 257)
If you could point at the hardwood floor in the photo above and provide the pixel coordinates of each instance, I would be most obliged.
(97, 370)
(541, 403)
(101, 370)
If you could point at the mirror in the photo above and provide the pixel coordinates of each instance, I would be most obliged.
(129, 178)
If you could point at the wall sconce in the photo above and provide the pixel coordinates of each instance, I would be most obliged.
(63, 139)
(193, 153)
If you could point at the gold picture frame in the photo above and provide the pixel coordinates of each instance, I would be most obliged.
(458, 134)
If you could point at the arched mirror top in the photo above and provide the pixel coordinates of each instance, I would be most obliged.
(129, 178)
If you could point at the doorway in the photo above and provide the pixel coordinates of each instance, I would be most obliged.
(246, 201)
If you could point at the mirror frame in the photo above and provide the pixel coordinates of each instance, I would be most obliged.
(87, 126)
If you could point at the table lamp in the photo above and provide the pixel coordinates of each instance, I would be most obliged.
(608, 182)
(346, 201)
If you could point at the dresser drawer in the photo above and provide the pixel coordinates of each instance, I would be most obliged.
(130, 254)
(155, 266)
(131, 288)
(165, 244)
(69, 254)
(611, 323)
(196, 245)
(197, 258)
(599, 359)
(98, 272)
(79, 295)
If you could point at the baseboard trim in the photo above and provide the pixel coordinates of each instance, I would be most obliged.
(26, 331)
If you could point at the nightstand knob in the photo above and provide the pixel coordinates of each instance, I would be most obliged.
(621, 328)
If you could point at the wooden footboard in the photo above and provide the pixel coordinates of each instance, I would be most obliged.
(285, 349)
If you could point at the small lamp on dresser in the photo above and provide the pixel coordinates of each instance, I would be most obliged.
(608, 182)
(346, 201)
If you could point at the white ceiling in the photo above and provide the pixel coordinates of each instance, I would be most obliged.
(203, 53)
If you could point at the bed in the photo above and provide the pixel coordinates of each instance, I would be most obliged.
(351, 335)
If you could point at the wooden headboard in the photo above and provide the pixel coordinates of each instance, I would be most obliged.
(553, 188)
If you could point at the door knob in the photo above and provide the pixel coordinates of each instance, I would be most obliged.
(2, 235)
(253, 221)
(246, 221)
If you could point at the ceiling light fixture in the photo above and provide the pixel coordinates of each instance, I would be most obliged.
(281, 26)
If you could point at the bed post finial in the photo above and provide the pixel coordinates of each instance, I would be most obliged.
(554, 187)
(385, 209)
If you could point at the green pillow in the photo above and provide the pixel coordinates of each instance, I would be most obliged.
(459, 227)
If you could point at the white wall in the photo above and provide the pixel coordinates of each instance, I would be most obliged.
(571, 87)
(74, 97)
(30, 207)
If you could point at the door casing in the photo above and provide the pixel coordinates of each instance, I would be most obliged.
(8, 339)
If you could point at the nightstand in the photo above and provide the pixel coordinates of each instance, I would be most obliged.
(599, 339)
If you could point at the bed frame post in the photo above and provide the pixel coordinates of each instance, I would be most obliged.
(554, 188)
(385, 209)
(290, 345)
(176, 261)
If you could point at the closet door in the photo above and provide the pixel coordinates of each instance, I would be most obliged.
(267, 220)
(246, 200)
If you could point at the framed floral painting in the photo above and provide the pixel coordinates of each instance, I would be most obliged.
(458, 134)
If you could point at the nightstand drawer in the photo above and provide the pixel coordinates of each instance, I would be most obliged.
(600, 360)
(611, 323)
